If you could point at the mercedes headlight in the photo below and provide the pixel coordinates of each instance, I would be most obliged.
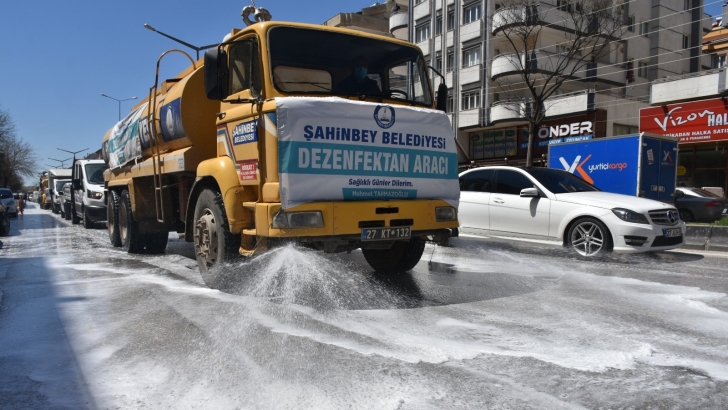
(630, 216)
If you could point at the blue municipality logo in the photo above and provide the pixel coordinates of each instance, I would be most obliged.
(384, 116)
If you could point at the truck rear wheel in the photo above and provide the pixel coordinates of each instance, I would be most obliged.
(214, 244)
(113, 218)
(128, 231)
(401, 257)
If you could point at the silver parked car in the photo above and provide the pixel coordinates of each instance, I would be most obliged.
(7, 199)
(699, 205)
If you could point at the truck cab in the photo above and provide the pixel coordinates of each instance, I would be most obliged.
(87, 186)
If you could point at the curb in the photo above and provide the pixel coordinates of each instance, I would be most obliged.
(706, 238)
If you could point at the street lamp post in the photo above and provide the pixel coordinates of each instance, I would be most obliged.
(72, 152)
(119, 101)
(62, 161)
(197, 49)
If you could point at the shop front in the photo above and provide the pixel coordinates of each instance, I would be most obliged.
(702, 127)
(510, 144)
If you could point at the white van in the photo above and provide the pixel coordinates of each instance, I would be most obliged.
(87, 182)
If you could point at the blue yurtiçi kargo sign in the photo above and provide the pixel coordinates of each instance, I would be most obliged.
(610, 164)
(332, 149)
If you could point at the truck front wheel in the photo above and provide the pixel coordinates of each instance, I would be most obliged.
(112, 213)
(214, 244)
(128, 231)
(401, 257)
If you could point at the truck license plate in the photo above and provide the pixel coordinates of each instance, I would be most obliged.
(671, 233)
(383, 234)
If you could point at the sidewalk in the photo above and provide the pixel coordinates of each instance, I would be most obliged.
(706, 237)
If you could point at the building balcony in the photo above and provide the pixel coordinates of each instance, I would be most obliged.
(515, 111)
(707, 84)
(398, 21)
(543, 14)
(507, 111)
(469, 118)
(421, 10)
(510, 66)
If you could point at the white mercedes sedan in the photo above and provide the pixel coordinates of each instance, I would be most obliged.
(554, 205)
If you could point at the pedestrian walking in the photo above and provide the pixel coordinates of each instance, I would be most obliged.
(21, 204)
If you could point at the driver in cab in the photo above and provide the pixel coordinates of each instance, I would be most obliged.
(358, 82)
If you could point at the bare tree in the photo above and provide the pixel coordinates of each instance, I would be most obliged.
(16, 156)
(587, 31)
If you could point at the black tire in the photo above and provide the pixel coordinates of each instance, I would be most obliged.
(128, 230)
(589, 238)
(155, 243)
(401, 257)
(113, 219)
(74, 217)
(686, 215)
(62, 210)
(87, 223)
(214, 244)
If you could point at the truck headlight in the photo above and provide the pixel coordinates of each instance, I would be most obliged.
(630, 216)
(95, 195)
(307, 219)
(445, 213)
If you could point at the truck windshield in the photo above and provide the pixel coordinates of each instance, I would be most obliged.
(560, 182)
(59, 185)
(310, 61)
(95, 173)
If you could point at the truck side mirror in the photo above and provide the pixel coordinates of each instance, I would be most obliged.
(442, 97)
(216, 74)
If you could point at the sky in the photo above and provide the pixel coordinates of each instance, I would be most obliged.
(58, 58)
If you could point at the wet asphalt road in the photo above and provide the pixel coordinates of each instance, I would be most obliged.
(486, 324)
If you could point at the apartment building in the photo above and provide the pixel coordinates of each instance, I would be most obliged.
(693, 108)
(464, 39)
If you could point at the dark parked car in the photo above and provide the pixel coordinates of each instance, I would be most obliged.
(699, 205)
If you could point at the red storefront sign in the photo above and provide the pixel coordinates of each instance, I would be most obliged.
(698, 121)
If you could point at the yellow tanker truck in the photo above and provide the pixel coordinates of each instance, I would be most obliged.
(287, 131)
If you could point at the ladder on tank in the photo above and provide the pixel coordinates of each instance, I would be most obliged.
(152, 125)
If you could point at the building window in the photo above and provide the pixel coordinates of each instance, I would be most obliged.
(718, 61)
(450, 20)
(438, 24)
(418, 1)
(645, 28)
(471, 13)
(471, 56)
(686, 42)
(642, 69)
(686, 5)
(438, 63)
(568, 5)
(624, 129)
(470, 100)
(422, 32)
(630, 23)
(450, 63)
(450, 104)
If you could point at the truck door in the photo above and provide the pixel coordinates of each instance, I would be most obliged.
(659, 167)
(77, 187)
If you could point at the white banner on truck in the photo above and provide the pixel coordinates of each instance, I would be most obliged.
(124, 142)
(333, 149)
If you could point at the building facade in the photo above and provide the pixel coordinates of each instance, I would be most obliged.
(464, 40)
(694, 108)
